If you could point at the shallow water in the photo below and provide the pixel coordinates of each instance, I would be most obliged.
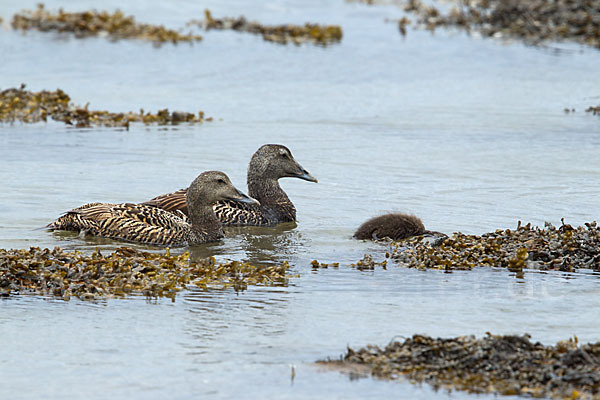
(467, 133)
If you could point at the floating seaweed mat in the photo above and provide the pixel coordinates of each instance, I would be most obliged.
(93, 23)
(366, 263)
(532, 21)
(564, 249)
(506, 365)
(549, 248)
(595, 110)
(29, 107)
(283, 34)
(123, 272)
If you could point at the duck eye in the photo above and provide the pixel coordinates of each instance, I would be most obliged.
(221, 181)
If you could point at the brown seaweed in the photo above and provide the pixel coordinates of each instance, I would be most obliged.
(30, 107)
(506, 365)
(125, 271)
(533, 21)
(282, 34)
(595, 110)
(564, 248)
(94, 23)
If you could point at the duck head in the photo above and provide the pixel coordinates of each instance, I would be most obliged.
(274, 161)
(213, 186)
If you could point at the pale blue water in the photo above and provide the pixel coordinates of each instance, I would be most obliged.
(467, 133)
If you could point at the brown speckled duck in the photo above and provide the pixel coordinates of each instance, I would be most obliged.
(395, 226)
(150, 225)
(267, 165)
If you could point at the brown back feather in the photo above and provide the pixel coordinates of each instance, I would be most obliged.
(171, 201)
(228, 212)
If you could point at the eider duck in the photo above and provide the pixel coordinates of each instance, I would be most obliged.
(395, 226)
(269, 163)
(150, 225)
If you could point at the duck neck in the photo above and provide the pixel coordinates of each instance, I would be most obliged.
(273, 200)
(205, 223)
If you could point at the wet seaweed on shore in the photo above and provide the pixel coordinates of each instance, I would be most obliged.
(506, 365)
(97, 23)
(125, 271)
(549, 248)
(283, 34)
(30, 107)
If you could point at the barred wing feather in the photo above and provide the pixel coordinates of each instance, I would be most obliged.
(126, 221)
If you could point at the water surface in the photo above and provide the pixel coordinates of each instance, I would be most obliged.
(467, 133)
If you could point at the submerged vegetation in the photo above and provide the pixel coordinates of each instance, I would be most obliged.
(125, 271)
(29, 107)
(506, 365)
(283, 34)
(97, 23)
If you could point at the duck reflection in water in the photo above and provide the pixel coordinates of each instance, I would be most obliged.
(258, 245)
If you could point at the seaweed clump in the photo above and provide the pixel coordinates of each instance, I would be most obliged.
(282, 34)
(316, 265)
(533, 21)
(507, 365)
(94, 23)
(367, 263)
(30, 107)
(595, 110)
(125, 271)
(549, 248)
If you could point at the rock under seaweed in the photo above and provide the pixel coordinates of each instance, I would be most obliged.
(282, 34)
(506, 365)
(125, 271)
(30, 107)
(95, 23)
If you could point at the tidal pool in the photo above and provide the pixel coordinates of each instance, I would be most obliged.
(467, 133)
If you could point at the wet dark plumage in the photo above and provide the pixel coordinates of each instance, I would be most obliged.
(150, 225)
(395, 226)
(267, 165)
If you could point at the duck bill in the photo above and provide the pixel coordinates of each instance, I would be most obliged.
(242, 198)
(304, 175)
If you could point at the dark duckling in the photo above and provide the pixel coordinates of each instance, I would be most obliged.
(150, 225)
(396, 226)
(267, 165)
